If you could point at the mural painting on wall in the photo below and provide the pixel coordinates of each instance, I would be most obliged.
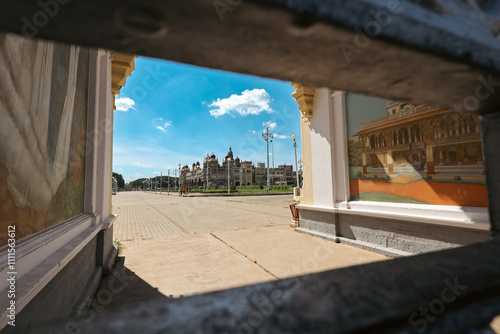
(43, 108)
(416, 154)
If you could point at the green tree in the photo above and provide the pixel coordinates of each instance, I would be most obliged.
(121, 181)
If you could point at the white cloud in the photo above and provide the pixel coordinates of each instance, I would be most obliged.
(270, 124)
(158, 119)
(165, 127)
(124, 104)
(254, 132)
(138, 164)
(280, 136)
(250, 102)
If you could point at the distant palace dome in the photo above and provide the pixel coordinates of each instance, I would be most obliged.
(229, 154)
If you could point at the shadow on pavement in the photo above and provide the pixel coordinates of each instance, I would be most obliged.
(123, 287)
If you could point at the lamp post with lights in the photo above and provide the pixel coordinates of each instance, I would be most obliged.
(175, 176)
(208, 164)
(241, 179)
(228, 176)
(294, 137)
(179, 180)
(267, 136)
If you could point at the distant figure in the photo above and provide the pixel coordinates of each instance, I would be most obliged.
(184, 190)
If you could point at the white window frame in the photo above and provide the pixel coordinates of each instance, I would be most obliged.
(467, 217)
(41, 256)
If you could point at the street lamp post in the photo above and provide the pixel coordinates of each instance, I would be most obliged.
(161, 183)
(228, 176)
(208, 164)
(301, 173)
(294, 137)
(272, 152)
(241, 178)
(175, 176)
(168, 182)
(179, 179)
(267, 136)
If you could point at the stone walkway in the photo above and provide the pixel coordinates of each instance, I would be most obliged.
(144, 216)
(178, 246)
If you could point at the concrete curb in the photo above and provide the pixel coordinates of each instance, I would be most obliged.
(236, 195)
(392, 253)
(84, 301)
(224, 194)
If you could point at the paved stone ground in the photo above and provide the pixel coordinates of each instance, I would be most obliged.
(145, 216)
(178, 246)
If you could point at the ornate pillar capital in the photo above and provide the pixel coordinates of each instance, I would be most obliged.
(304, 97)
(122, 66)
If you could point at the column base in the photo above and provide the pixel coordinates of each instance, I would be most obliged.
(391, 169)
(430, 168)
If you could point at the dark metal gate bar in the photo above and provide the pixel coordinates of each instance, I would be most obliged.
(439, 53)
(419, 55)
(461, 285)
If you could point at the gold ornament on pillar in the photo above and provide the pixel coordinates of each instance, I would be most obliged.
(304, 96)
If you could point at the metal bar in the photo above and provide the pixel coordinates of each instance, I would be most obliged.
(430, 54)
(427, 54)
(457, 289)
(490, 128)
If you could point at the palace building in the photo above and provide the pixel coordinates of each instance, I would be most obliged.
(414, 139)
(240, 173)
(392, 177)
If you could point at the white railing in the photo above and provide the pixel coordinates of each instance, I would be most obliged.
(463, 168)
(397, 170)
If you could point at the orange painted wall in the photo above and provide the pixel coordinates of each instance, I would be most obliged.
(431, 192)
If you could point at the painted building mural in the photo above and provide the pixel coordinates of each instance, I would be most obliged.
(417, 154)
(43, 108)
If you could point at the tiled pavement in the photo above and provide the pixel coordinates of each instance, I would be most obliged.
(187, 245)
(144, 216)
(177, 246)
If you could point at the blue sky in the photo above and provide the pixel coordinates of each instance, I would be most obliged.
(170, 114)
